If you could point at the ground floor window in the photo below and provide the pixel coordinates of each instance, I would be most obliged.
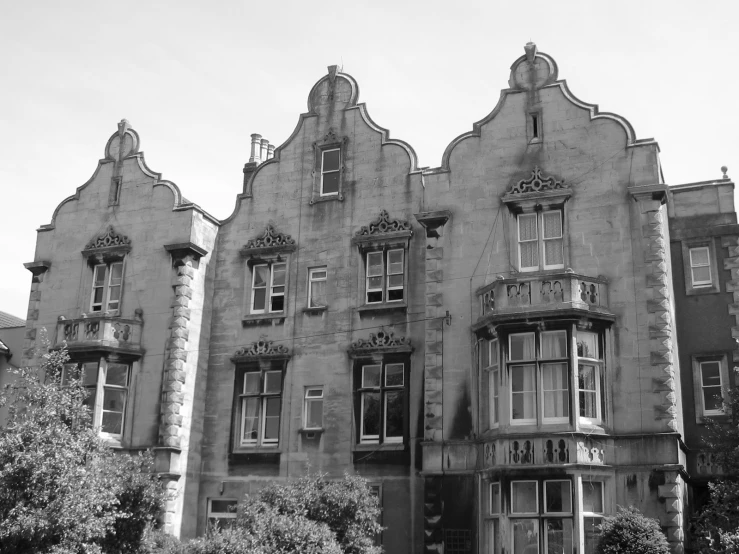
(221, 513)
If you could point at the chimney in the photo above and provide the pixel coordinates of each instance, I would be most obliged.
(255, 148)
(265, 147)
(271, 151)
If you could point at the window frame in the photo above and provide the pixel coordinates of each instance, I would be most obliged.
(722, 358)
(385, 275)
(540, 240)
(361, 392)
(541, 516)
(312, 280)
(107, 287)
(598, 365)
(268, 287)
(586, 515)
(708, 287)
(700, 284)
(324, 172)
(97, 391)
(242, 396)
(328, 143)
(212, 517)
(490, 381)
(307, 401)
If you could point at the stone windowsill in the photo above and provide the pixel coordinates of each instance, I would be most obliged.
(315, 310)
(383, 307)
(307, 432)
(263, 319)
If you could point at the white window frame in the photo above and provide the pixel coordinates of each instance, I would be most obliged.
(596, 363)
(540, 240)
(309, 398)
(541, 516)
(262, 397)
(314, 276)
(269, 289)
(214, 518)
(382, 389)
(707, 412)
(493, 390)
(331, 171)
(107, 287)
(694, 282)
(385, 274)
(590, 514)
(98, 390)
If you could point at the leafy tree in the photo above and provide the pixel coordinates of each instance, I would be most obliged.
(630, 532)
(717, 526)
(62, 490)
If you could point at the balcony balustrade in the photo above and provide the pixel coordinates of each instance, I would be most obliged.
(544, 451)
(100, 333)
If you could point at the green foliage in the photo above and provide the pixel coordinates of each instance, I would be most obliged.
(62, 490)
(630, 532)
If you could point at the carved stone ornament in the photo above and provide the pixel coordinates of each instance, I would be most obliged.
(262, 348)
(270, 239)
(381, 341)
(537, 183)
(383, 224)
(108, 239)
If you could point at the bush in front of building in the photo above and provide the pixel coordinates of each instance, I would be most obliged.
(62, 489)
(630, 532)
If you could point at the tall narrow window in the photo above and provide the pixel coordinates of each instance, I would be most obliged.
(589, 376)
(317, 287)
(528, 242)
(711, 388)
(261, 406)
(313, 415)
(107, 282)
(541, 523)
(268, 288)
(330, 171)
(540, 240)
(534, 126)
(491, 378)
(592, 507)
(382, 392)
(700, 266)
(385, 276)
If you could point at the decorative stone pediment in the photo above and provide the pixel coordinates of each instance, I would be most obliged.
(108, 242)
(537, 189)
(384, 230)
(537, 183)
(380, 343)
(262, 349)
(271, 241)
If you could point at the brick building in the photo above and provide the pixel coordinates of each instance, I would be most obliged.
(492, 342)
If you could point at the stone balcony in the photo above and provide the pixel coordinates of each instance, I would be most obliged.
(104, 333)
(541, 294)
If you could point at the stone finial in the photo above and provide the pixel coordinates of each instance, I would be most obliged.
(530, 50)
(123, 126)
(332, 73)
(724, 169)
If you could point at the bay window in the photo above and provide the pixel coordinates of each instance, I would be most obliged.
(589, 376)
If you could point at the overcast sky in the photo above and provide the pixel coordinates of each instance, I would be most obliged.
(195, 79)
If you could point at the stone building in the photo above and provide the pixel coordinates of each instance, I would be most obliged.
(492, 342)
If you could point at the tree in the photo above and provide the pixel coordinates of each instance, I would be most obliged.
(717, 526)
(310, 515)
(62, 489)
(630, 532)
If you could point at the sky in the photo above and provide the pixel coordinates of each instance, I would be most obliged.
(196, 79)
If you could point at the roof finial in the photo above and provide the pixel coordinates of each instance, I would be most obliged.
(724, 169)
(530, 49)
(123, 126)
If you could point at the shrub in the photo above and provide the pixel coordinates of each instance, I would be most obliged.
(630, 532)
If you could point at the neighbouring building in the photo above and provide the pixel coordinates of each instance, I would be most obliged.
(495, 343)
(12, 332)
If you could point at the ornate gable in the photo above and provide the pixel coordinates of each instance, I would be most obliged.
(271, 241)
(380, 343)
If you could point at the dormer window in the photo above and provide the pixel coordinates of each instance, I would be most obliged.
(106, 256)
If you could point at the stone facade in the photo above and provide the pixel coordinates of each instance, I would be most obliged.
(492, 342)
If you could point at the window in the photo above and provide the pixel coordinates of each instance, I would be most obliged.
(107, 386)
(540, 241)
(268, 288)
(538, 361)
(491, 378)
(107, 282)
(313, 413)
(260, 404)
(376, 491)
(541, 516)
(221, 513)
(700, 267)
(589, 376)
(382, 403)
(711, 387)
(330, 171)
(385, 276)
(317, 287)
(592, 508)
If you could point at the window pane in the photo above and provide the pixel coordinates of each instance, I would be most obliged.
(557, 497)
(393, 414)
(587, 383)
(252, 382)
(553, 252)
(553, 344)
(116, 273)
(523, 392)
(523, 497)
(484, 353)
(587, 345)
(90, 373)
(97, 297)
(272, 419)
(395, 280)
(525, 536)
(250, 419)
(223, 506)
(112, 423)
(371, 414)
(117, 374)
(527, 227)
(314, 414)
(552, 225)
(277, 303)
(712, 398)
(371, 376)
(69, 372)
(698, 256)
(394, 375)
(711, 372)
(592, 497)
(556, 390)
(260, 296)
(272, 381)
(494, 498)
(114, 399)
(331, 160)
(522, 347)
(559, 536)
(374, 264)
(261, 275)
(314, 393)
(529, 254)
(592, 533)
(394, 295)
(493, 352)
(395, 262)
(330, 183)
(278, 274)
(701, 274)
(99, 278)
(494, 375)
